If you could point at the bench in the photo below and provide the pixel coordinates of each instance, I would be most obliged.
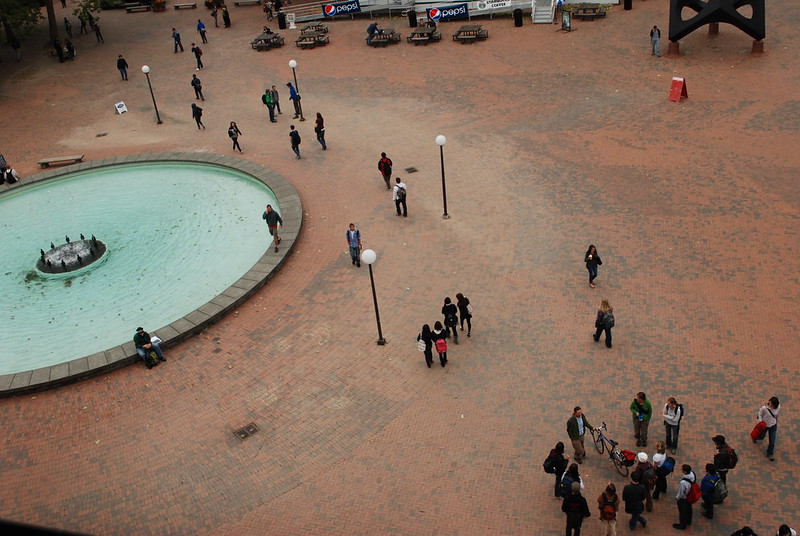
(137, 9)
(192, 5)
(465, 38)
(74, 159)
(130, 4)
(247, 3)
(258, 44)
(589, 13)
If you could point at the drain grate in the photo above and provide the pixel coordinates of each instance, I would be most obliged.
(246, 431)
(411, 170)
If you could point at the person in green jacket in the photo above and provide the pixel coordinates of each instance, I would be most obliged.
(576, 429)
(642, 411)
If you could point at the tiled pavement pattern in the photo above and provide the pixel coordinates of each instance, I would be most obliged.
(554, 141)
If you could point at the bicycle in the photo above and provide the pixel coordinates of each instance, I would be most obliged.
(603, 443)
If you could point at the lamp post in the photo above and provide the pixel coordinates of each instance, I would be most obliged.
(440, 141)
(293, 65)
(369, 257)
(146, 71)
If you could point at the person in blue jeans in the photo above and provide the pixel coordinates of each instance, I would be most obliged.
(769, 414)
(144, 344)
(354, 243)
(634, 495)
(592, 260)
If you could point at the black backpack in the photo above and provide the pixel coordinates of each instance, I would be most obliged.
(401, 195)
(566, 485)
(450, 320)
(608, 320)
(549, 465)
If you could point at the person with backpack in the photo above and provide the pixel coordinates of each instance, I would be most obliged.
(570, 476)
(385, 167)
(198, 52)
(575, 507)
(197, 85)
(450, 313)
(426, 338)
(707, 486)
(439, 337)
(664, 466)
(266, 100)
(604, 322)
(592, 260)
(608, 504)
(673, 413)
(633, 495)
(556, 464)
(725, 457)
(399, 196)
(294, 137)
(576, 430)
(646, 475)
(464, 312)
(768, 414)
(688, 494)
(642, 411)
(197, 115)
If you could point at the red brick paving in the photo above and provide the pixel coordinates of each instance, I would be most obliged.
(554, 141)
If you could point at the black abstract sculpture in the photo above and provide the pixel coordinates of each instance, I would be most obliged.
(715, 11)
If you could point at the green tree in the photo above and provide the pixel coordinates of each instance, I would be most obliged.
(85, 8)
(18, 17)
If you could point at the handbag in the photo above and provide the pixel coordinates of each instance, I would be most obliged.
(759, 431)
(469, 309)
(420, 345)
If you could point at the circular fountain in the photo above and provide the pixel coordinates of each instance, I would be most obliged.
(72, 256)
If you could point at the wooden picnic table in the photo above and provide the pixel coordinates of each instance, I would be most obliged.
(314, 27)
(469, 33)
(588, 12)
(424, 34)
(383, 37)
(267, 40)
(311, 39)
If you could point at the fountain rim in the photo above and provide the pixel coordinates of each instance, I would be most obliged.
(191, 324)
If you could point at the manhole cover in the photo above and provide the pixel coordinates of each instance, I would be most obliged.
(101, 135)
(246, 431)
(411, 170)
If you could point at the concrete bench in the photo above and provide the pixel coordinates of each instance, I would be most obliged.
(191, 5)
(137, 9)
(74, 159)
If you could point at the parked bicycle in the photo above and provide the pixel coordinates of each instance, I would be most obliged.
(603, 443)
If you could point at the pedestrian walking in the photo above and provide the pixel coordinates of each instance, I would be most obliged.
(197, 115)
(604, 322)
(68, 27)
(59, 50)
(226, 17)
(214, 14)
(122, 66)
(655, 42)
(274, 222)
(63, 3)
(768, 414)
(450, 313)
(608, 504)
(557, 462)
(399, 194)
(266, 99)
(233, 134)
(682, 498)
(201, 29)
(83, 29)
(198, 53)
(575, 507)
(440, 341)
(673, 414)
(571, 476)
(576, 430)
(176, 39)
(592, 260)
(273, 92)
(294, 138)
(294, 96)
(646, 474)
(319, 128)
(464, 312)
(17, 49)
(198, 88)
(725, 457)
(268, 10)
(642, 412)
(425, 338)
(707, 486)
(385, 167)
(353, 237)
(634, 495)
(98, 33)
(664, 466)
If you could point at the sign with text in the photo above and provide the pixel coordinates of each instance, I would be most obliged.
(566, 21)
(341, 8)
(678, 89)
(493, 4)
(120, 108)
(456, 11)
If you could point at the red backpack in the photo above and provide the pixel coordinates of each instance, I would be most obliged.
(694, 492)
(441, 346)
(608, 511)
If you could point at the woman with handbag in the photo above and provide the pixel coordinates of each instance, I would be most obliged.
(768, 414)
(425, 344)
(320, 131)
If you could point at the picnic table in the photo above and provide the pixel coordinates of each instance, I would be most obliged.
(383, 37)
(266, 41)
(311, 39)
(424, 34)
(589, 12)
(314, 27)
(469, 33)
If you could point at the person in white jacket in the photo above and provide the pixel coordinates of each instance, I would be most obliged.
(684, 506)
(769, 415)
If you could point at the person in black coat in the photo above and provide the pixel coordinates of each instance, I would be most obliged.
(592, 260)
(427, 337)
(197, 115)
(450, 313)
(437, 334)
(575, 507)
(560, 462)
(462, 302)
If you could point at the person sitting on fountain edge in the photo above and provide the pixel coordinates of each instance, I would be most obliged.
(144, 344)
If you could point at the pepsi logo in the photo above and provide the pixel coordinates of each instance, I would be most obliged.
(330, 10)
(434, 13)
